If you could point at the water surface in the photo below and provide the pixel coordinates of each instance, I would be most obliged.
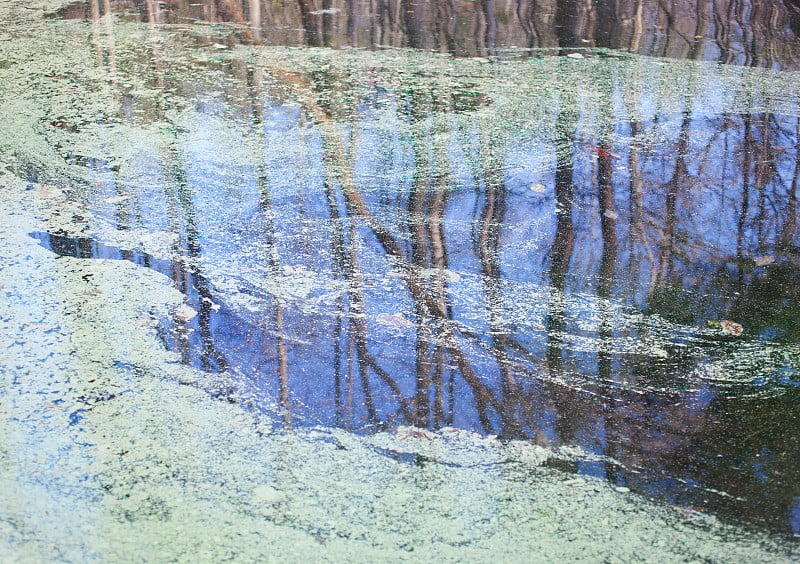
(547, 226)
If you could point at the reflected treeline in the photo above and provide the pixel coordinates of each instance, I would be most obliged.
(752, 33)
(453, 283)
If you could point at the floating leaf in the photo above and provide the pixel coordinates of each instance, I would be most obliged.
(731, 327)
(602, 151)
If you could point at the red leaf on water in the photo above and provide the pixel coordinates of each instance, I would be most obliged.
(602, 151)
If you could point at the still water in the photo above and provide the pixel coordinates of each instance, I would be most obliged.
(561, 222)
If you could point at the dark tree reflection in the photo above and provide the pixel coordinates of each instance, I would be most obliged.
(753, 33)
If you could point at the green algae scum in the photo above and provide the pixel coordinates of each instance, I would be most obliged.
(399, 281)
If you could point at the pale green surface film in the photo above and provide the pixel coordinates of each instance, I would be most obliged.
(112, 450)
(164, 473)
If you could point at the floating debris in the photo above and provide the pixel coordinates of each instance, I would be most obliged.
(763, 260)
(267, 493)
(449, 275)
(726, 326)
(405, 433)
(117, 199)
(731, 327)
(185, 313)
(393, 320)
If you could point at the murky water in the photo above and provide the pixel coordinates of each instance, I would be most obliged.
(510, 221)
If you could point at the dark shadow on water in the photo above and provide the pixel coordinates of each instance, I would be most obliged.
(87, 247)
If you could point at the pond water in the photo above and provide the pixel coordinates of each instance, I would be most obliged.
(564, 223)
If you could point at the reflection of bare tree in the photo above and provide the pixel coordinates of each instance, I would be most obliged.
(344, 248)
(575, 23)
(745, 199)
(342, 268)
(748, 32)
(764, 172)
(426, 209)
(488, 249)
(346, 260)
(211, 358)
(431, 303)
(560, 256)
(273, 260)
(789, 229)
(676, 186)
(490, 33)
(608, 220)
(636, 207)
(413, 18)
(608, 262)
(310, 22)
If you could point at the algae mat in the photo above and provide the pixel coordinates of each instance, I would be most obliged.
(114, 451)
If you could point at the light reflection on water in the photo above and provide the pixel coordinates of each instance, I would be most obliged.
(395, 261)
